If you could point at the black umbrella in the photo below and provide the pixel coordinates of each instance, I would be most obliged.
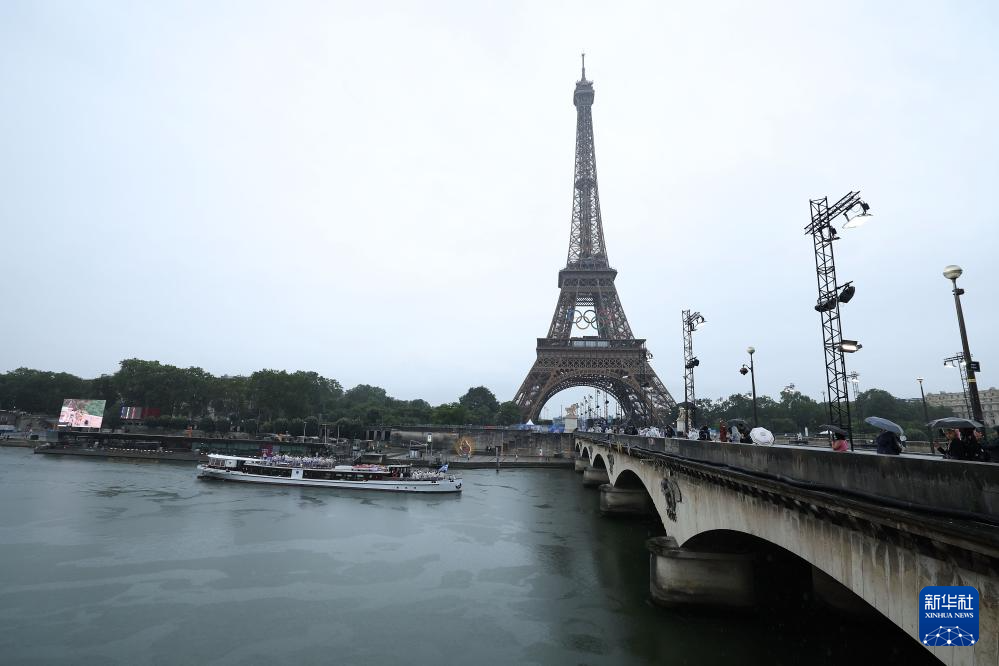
(834, 429)
(735, 422)
(954, 422)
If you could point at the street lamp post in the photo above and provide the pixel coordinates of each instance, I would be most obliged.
(926, 412)
(751, 369)
(952, 273)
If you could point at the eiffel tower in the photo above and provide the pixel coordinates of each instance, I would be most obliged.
(609, 357)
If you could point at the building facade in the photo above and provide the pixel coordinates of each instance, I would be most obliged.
(960, 404)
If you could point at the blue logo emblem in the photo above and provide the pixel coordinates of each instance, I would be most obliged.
(948, 615)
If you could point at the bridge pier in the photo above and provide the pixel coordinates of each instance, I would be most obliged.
(625, 501)
(581, 464)
(681, 577)
(595, 476)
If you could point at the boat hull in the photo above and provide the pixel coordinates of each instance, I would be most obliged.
(445, 485)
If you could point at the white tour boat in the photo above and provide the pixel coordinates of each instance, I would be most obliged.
(323, 472)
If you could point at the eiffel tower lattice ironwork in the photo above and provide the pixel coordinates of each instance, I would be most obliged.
(611, 358)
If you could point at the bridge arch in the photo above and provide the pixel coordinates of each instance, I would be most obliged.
(628, 480)
(599, 461)
(783, 578)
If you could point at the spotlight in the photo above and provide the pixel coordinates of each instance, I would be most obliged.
(743, 370)
(693, 363)
(850, 346)
(826, 306)
(848, 291)
(857, 215)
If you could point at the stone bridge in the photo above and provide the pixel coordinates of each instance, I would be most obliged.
(858, 531)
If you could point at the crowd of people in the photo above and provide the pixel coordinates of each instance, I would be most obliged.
(311, 462)
(739, 433)
(970, 444)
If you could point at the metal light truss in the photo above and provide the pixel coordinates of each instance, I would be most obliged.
(958, 360)
(610, 358)
(823, 234)
(688, 367)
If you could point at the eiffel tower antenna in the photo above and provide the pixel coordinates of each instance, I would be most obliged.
(610, 357)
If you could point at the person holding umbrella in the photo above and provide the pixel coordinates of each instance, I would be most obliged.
(960, 432)
(744, 437)
(839, 443)
(740, 426)
(838, 440)
(953, 450)
(888, 441)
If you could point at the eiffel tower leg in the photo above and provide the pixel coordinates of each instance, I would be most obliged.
(538, 380)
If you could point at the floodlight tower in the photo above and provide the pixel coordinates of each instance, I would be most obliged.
(691, 322)
(831, 295)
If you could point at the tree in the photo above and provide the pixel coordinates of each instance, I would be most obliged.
(452, 413)
(40, 390)
(349, 428)
(508, 413)
(800, 410)
(480, 405)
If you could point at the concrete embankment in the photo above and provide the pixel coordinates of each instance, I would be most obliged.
(489, 462)
(135, 454)
(23, 443)
(474, 462)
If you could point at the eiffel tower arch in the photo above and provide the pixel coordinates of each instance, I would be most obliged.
(589, 342)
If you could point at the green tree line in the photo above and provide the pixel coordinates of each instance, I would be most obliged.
(264, 401)
(298, 402)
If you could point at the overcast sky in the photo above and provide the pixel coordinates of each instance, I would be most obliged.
(381, 192)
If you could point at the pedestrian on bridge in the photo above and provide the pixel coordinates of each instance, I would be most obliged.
(972, 441)
(839, 443)
(744, 437)
(722, 431)
(704, 434)
(950, 450)
(889, 443)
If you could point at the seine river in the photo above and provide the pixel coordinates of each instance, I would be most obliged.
(105, 562)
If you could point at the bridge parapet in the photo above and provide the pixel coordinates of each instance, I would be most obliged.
(954, 486)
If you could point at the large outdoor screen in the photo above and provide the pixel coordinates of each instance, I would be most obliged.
(79, 413)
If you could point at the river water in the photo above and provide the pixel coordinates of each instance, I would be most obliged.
(105, 562)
